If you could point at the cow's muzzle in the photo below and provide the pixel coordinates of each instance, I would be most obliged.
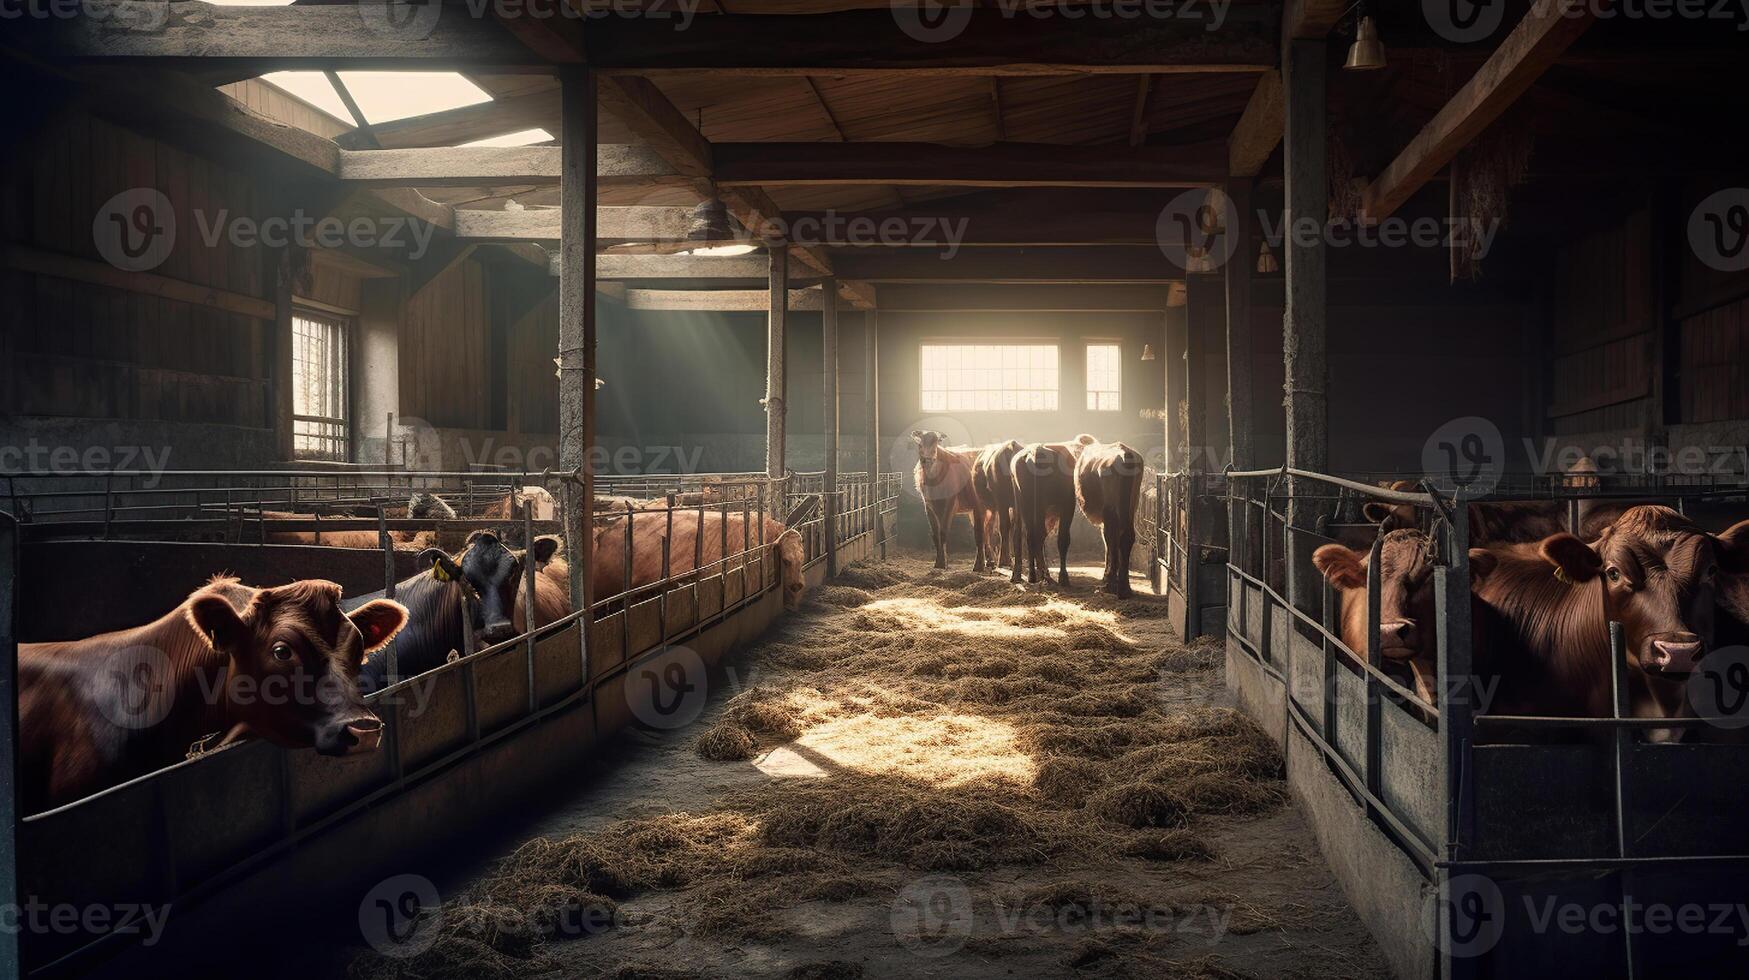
(498, 632)
(355, 736)
(1674, 653)
(1398, 639)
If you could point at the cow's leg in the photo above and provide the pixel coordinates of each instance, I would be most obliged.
(1125, 539)
(1019, 530)
(937, 535)
(1108, 535)
(978, 537)
(1063, 548)
(1004, 531)
(1035, 552)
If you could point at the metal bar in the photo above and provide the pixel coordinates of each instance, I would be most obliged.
(775, 379)
(829, 420)
(1618, 683)
(9, 961)
(388, 545)
(528, 588)
(1375, 665)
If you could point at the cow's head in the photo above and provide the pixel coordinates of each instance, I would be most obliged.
(928, 443)
(1392, 517)
(791, 557)
(1405, 573)
(1661, 577)
(537, 502)
(429, 505)
(301, 653)
(494, 573)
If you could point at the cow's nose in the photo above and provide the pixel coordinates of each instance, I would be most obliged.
(1677, 655)
(499, 632)
(364, 735)
(1398, 633)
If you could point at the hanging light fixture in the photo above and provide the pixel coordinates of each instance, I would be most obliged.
(1147, 352)
(1367, 53)
(710, 227)
(1266, 263)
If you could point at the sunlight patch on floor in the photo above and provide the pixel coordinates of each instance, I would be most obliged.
(997, 621)
(944, 750)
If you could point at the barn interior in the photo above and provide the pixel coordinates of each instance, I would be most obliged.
(283, 264)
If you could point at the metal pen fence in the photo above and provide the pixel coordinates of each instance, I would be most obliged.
(1531, 819)
(183, 833)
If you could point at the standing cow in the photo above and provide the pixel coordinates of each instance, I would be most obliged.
(1044, 498)
(1108, 484)
(944, 481)
(279, 663)
(695, 542)
(993, 481)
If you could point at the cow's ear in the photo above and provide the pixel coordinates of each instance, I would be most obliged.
(1574, 560)
(544, 548)
(1482, 564)
(443, 567)
(917, 435)
(378, 621)
(1734, 549)
(1341, 565)
(1377, 511)
(218, 624)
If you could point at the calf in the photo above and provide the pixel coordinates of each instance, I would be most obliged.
(1108, 484)
(280, 663)
(1044, 498)
(696, 541)
(1652, 570)
(993, 482)
(1407, 640)
(944, 480)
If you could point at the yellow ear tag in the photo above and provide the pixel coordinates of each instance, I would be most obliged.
(1561, 574)
(438, 572)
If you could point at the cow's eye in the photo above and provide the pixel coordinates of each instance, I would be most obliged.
(1614, 574)
(282, 653)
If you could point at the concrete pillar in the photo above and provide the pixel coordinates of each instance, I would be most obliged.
(1303, 319)
(376, 372)
(775, 379)
(829, 416)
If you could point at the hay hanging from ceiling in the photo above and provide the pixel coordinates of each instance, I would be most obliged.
(1483, 176)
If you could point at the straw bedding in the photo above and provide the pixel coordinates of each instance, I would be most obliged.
(960, 724)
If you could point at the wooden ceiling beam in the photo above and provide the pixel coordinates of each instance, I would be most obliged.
(1312, 19)
(617, 165)
(1025, 299)
(938, 165)
(1259, 130)
(1534, 45)
(1139, 117)
(991, 42)
(470, 122)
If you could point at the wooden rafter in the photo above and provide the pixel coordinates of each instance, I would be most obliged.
(1139, 118)
(1258, 133)
(998, 165)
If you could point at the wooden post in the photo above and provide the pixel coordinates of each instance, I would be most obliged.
(577, 328)
(774, 369)
(283, 404)
(1303, 319)
(1198, 297)
(9, 966)
(1239, 403)
(829, 418)
(871, 342)
(1172, 355)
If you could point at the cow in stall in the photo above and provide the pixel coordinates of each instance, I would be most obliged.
(420, 506)
(1516, 521)
(695, 543)
(943, 476)
(993, 482)
(480, 590)
(1108, 485)
(1044, 498)
(1407, 640)
(1654, 571)
(231, 660)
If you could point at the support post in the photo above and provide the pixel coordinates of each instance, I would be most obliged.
(871, 370)
(1198, 300)
(577, 330)
(1239, 404)
(1172, 355)
(829, 418)
(283, 404)
(9, 965)
(1303, 319)
(776, 319)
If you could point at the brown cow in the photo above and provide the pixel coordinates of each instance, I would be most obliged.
(1504, 522)
(993, 481)
(944, 480)
(280, 663)
(1407, 638)
(1108, 485)
(420, 505)
(690, 537)
(1044, 497)
(1653, 570)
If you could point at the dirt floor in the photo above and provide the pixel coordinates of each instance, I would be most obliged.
(922, 774)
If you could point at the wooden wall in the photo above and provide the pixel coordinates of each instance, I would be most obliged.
(78, 349)
(1604, 332)
(445, 350)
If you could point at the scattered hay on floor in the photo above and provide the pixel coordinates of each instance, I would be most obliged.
(827, 970)
(1169, 845)
(1139, 805)
(726, 742)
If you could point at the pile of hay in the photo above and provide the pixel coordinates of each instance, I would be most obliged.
(963, 723)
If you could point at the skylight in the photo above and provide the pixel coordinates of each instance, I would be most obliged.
(526, 137)
(383, 96)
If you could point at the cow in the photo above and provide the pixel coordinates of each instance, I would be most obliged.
(1108, 485)
(1044, 497)
(1407, 639)
(420, 505)
(1510, 522)
(280, 663)
(695, 542)
(506, 514)
(480, 590)
(1652, 570)
(943, 476)
(993, 482)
